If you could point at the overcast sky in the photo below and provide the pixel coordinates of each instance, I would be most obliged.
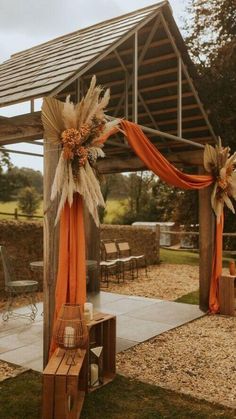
(25, 23)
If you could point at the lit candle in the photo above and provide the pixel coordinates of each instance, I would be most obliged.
(69, 337)
(94, 374)
(88, 307)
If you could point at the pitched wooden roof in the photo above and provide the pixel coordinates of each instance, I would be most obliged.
(37, 71)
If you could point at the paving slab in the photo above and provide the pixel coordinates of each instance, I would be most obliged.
(168, 312)
(138, 319)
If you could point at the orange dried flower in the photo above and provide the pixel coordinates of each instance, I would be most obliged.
(70, 138)
(84, 130)
(82, 153)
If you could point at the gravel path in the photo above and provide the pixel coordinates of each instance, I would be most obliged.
(198, 359)
(163, 281)
(9, 370)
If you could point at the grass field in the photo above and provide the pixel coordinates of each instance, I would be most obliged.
(10, 207)
(182, 257)
(20, 398)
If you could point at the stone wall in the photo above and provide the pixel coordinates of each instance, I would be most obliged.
(141, 239)
(24, 243)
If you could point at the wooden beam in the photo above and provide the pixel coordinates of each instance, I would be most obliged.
(146, 62)
(132, 163)
(21, 128)
(154, 100)
(50, 248)
(206, 244)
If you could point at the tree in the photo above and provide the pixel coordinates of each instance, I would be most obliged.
(14, 179)
(4, 160)
(29, 200)
(211, 37)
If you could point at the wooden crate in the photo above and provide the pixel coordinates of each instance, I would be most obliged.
(63, 387)
(102, 330)
(227, 295)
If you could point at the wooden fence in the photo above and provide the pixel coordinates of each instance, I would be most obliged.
(16, 215)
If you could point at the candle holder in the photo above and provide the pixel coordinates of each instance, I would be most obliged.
(70, 331)
(96, 366)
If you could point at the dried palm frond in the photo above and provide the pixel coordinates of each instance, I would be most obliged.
(52, 119)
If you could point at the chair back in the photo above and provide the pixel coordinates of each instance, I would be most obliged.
(109, 249)
(7, 267)
(123, 248)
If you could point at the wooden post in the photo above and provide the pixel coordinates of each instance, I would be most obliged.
(206, 244)
(92, 234)
(51, 240)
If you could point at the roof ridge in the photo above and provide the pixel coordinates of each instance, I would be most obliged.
(151, 6)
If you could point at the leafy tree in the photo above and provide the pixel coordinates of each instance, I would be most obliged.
(4, 160)
(29, 200)
(14, 179)
(211, 37)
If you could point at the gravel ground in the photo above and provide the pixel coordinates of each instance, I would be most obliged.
(163, 281)
(198, 358)
(9, 370)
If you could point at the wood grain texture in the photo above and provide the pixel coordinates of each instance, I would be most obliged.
(51, 240)
(206, 244)
(227, 292)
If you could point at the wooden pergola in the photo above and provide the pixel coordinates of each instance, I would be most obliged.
(142, 57)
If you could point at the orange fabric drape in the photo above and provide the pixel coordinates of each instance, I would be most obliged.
(156, 162)
(71, 276)
(217, 267)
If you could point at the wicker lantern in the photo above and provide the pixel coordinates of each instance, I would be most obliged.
(70, 331)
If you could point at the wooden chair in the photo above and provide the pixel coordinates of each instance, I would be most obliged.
(125, 250)
(14, 288)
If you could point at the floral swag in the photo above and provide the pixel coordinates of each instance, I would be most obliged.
(81, 130)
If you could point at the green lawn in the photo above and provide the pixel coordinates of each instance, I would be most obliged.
(10, 207)
(20, 398)
(183, 257)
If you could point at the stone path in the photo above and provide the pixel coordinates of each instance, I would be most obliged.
(138, 319)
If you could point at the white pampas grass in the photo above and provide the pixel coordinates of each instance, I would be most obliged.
(69, 114)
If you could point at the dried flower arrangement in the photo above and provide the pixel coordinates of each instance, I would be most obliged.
(81, 131)
(222, 166)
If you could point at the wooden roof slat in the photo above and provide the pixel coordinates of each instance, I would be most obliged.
(82, 44)
(64, 63)
(88, 51)
(81, 35)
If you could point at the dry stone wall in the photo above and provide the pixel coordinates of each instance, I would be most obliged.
(141, 239)
(24, 243)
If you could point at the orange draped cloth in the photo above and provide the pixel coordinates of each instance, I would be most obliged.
(156, 162)
(71, 276)
(217, 267)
